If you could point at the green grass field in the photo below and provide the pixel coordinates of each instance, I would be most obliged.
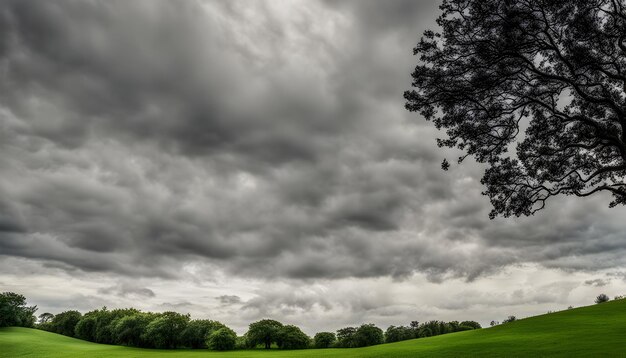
(594, 331)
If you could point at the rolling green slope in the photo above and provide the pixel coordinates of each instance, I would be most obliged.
(594, 331)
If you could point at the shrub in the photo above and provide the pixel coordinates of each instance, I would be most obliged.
(472, 324)
(324, 340)
(222, 339)
(509, 319)
(602, 298)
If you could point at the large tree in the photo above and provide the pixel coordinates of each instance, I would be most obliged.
(546, 77)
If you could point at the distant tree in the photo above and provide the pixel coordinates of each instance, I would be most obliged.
(399, 333)
(86, 328)
(263, 332)
(65, 322)
(368, 335)
(196, 333)
(14, 312)
(165, 330)
(494, 323)
(620, 297)
(129, 330)
(509, 319)
(472, 324)
(602, 298)
(291, 337)
(222, 339)
(569, 307)
(324, 340)
(45, 317)
(549, 76)
(346, 337)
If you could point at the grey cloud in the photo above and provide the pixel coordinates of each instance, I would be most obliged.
(229, 299)
(598, 282)
(141, 136)
(126, 289)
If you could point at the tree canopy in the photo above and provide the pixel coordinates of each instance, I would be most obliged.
(547, 78)
(14, 312)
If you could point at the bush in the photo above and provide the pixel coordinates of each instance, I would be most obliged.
(509, 319)
(602, 298)
(324, 340)
(222, 339)
(291, 337)
(472, 324)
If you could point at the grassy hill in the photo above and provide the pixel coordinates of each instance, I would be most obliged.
(594, 331)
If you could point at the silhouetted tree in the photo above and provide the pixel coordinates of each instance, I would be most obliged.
(554, 71)
(602, 298)
(45, 317)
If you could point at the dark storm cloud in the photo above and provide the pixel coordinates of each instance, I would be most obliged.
(126, 289)
(266, 141)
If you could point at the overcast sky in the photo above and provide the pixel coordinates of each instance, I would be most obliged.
(241, 160)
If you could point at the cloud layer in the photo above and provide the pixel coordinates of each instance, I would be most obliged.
(251, 140)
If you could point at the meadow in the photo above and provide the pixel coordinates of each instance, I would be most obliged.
(592, 331)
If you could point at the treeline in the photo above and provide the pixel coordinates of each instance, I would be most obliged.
(169, 330)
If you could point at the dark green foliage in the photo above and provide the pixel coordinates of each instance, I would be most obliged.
(472, 324)
(165, 330)
(324, 340)
(291, 337)
(346, 337)
(400, 333)
(86, 328)
(602, 298)
(222, 339)
(509, 319)
(368, 335)
(241, 342)
(45, 318)
(548, 76)
(129, 329)
(264, 332)
(196, 333)
(14, 312)
(65, 322)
